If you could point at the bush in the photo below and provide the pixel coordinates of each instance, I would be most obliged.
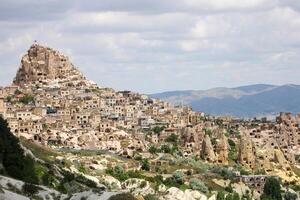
(124, 196)
(158, 129)
(145, 165)
(29, 189)
(173, 139)
(176, 180)
(196, 184)
(233, 196)
(150, 197)
(27, 99)
(221, 195)
(153, 150)
(272, 189)
(290, 196)
(224, 172)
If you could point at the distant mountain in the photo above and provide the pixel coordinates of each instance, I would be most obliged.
(245, 101)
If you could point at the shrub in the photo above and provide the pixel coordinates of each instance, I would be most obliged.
(272, 189)
(196, 184)
(176, 180)
(173, 139)
(143, 184)
(233, 196)
(153, 150)
(150, 197)
(27, 99)
(290, 196)
(145, 165)
(124, 196)
(221, 195)
(30, 189)
(158, 129)
(224, 172)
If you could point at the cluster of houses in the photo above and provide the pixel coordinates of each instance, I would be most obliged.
(52, 103)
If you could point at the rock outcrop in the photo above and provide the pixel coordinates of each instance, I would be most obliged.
(247, 152)
(45, 66)
(222, 150)
(207, 151)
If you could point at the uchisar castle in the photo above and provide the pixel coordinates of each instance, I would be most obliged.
(127, 142)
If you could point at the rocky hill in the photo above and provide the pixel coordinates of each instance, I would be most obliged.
(246, 101)
(44, 66)
(77, 140)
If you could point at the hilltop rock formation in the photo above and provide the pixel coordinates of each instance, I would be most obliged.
(45, 66)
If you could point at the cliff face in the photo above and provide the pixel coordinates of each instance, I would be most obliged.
(45, 66)
(247, 152)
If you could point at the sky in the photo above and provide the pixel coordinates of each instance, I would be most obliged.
(152, 46)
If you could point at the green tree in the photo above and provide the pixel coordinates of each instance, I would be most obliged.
(27, 99)
(173, 139)
(233, 196)
(153, 150)
(272, 189)
(8, 99)
(145, 165)
(158, 129)
(221, 195)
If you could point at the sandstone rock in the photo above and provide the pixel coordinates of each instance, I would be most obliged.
(45, 66)
(222, 150)
(247, 152)
(138, 187)
(207, 151)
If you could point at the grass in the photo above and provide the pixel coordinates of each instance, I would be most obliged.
(39, 151)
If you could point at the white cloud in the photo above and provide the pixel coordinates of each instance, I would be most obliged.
(155, 45)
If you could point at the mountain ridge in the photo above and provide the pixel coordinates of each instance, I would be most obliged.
(244, 101)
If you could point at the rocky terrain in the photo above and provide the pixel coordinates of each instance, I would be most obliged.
(82, 141)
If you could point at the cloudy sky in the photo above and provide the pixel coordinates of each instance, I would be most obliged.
(157, 45)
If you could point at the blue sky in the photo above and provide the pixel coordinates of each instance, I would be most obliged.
(158, 45)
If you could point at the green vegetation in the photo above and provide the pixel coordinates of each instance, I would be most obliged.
(221, 195)
(17, 92)
(27, 99)
(272, 189)
(173, 139)
(150, 197)
(15, 163)
(196, 184)
(145, 165)
(39, 151)
(119, 173)
(158, 129)
(233, 196)
(153, 150)
(290, 196)
(30, 189)
(8, 99)
(124, 196)
(176, 180)
(223, 172)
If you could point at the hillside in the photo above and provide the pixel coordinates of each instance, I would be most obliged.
(245, 101)
(64, 137)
